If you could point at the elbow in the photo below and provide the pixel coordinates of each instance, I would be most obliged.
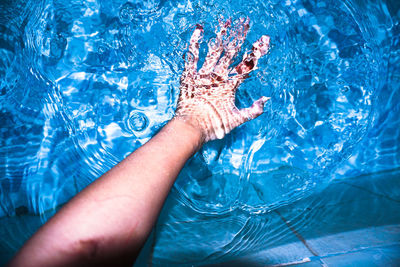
(97, 252)
(88, 249)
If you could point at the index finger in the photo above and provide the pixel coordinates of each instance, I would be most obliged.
(193, 57)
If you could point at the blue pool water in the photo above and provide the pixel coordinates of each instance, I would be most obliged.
(85, 83)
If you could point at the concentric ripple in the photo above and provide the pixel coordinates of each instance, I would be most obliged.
(321, 108)
(85, 83)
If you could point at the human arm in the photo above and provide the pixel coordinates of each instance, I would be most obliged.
(107, 223)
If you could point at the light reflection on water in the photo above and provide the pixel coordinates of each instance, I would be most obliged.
(85, 83)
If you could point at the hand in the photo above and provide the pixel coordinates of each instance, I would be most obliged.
(207, 96)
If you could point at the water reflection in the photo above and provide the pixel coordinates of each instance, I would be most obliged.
(84, 83)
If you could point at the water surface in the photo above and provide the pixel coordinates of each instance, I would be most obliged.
(85, 83)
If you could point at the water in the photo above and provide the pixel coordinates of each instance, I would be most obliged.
(85, 83)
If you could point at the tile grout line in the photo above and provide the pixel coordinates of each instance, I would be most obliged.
(372, 192)
(391, 171)
(297, 234)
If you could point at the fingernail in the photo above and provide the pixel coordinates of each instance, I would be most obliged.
(265, 99)
(198, 26)
(265, 39)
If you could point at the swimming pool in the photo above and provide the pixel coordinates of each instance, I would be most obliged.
(84, 83)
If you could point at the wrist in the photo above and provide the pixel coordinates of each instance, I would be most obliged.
(187, 132)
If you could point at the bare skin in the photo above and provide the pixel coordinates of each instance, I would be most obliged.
(207, 96)
(108, 222)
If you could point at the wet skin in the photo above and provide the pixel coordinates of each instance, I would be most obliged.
(207, 96)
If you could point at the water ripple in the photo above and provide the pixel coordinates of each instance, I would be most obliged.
(85, 83)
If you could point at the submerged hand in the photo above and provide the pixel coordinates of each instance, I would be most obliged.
(207, 96)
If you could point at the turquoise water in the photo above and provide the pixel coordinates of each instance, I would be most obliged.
(85, 83)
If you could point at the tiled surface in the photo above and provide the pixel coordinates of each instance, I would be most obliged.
(346, 217)
(342, 207)
(344, 251)
(291, 253)
(314, 263)
(381, 184)
(350, 223)
(381, 256)
(211, 240)
(345, 242)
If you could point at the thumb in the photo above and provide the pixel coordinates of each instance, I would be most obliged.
(254, 111)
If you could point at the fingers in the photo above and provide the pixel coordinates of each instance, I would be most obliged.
(252, 112)
(249, 62)
(215, 48)
(192, 56)
(233, 47)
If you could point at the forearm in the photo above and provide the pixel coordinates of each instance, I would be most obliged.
(112, 217)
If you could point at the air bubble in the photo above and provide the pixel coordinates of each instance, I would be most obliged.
(189, 57)
(102, 49)
(126, 13)
(141, 10)
(57, 47)
(214, 43)
(137, 121)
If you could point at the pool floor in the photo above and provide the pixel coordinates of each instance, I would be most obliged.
(355, 221)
